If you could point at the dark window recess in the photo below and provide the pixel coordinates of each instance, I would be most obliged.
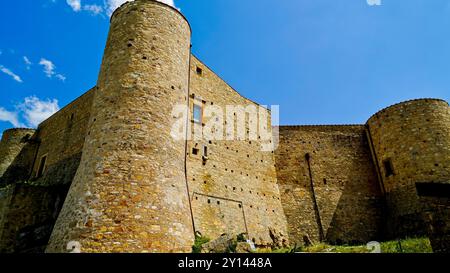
(41, 168)
(26, 138)
(205, 151)
(388, 168)
(199, 71)
(72, 116)
(194, 151)
(433, 189)
(325, 181)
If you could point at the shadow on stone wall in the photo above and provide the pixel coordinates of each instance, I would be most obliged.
(20, 169)
(34, 204)
(356, 219)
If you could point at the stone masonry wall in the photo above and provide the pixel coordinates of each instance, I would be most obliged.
(344, 184)
(61, 139)
(414, 138)
(235, 190)
(16, 155)
(129, 193)
(29, 205)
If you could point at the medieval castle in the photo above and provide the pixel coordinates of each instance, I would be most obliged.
(105, 171)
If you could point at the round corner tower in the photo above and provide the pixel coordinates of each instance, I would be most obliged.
(11, 145)
(130, 192)
(411, 145)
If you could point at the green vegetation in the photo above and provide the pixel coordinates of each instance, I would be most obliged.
(417, 245)
(409, 245)
(199, 241)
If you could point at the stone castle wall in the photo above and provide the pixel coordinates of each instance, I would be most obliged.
(129, 193)
(335, 197)
(135, 188)
(15, 158)
(30, 204)
(235, 190)
(413, 139)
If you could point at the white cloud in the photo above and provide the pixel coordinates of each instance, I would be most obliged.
(94, 9)
(74, 4)
(10, 73)
(10, 117)
(374, 2)
(49, 67)
(61, 77)
(27, 61)
(112, 5)
(34, 111)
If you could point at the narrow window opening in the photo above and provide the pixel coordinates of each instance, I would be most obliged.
(195, 151)
(388, 168)
(199, 71)
(42, 166)
(197, 113)
(205, 151)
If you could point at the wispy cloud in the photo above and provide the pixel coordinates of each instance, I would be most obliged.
(34, 111)
(10, 73)
(74, 4)
(94, 9)
(11, 117)
(30, 112)
(112, 5)
(61, 77)
(49, 69)
(27, 61)
(374, 2)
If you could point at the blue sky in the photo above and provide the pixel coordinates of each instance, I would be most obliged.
(322, 61)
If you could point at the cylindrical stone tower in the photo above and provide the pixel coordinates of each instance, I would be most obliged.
(130, 192)
(12, 144)
(411, 143)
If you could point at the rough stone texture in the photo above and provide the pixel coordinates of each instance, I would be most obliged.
(223, 244)
(61, 138)
(436, 215)
(415, 137)
(28, 222)
(134, 188)
(129, 193)
(235, 191)
(29, 205)
(16, 152)
(344, 184)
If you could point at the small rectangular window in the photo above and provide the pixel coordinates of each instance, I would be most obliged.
(197, 113)
(194, 151)
(205, 151)
(433, 189)
(199, 71)
(388, 168)
(41, 168)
